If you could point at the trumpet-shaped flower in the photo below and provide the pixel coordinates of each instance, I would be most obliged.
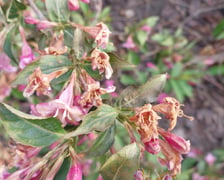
(99, 32)
(65, 107)
(73, 5)
(146, 121)
(171, 108)
(27, 55)
(178, 143)
(92, 96)
(41, 82)
(100, 61)
(5, 64)
(172, 159)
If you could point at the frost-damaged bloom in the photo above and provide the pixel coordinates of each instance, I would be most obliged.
(172, 159)
(65, 107)
(27, 55)
(5, 64)
(41, 82)
(178, 143)
(93, 91)
(57, 46)
(99, 32)
(100, 61)
(92, 96)
(171, 108)
(146, 121)
(73, 5)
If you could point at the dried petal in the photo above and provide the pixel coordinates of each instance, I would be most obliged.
(41, 82)
(152, 146)
(100, 61)
(171, 108)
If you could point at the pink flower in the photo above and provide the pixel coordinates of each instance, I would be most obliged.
(151, 65)
(152, 146)
(177, 143)
(5, 64)
(75, 171)
(139, 175)
(100, 61)
(27, 55)
(110, 83)
(41, 24)
(146, 28)
(210, 159)
(73, 5)
(99, 32)
(172, 159)
(65, 107)
(45, 24)
(209, 61)
(129, 44)
(40, 82)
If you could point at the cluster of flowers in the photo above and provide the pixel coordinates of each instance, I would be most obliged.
(79, 95)
(157, 139)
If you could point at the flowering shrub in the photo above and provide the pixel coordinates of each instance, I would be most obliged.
(60, 64)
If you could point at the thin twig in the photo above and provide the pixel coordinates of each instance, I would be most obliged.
(203, 10)
(36, 10)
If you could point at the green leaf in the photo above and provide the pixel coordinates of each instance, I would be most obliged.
(163, 38)
(48, 64)
(102, 143)
(30, 130)
(177, 90)
(98, 120)
(123, 164)
(63, 171)
(133, 58)
(142, 37)
(186, 88)
(127, 79)
(57, 10)
(93, 73)
(8, 46)
(218, 32)
(150, 21)
(176, 70)
(13, 11)
(117, 62)
(145, 93)
(216, 70)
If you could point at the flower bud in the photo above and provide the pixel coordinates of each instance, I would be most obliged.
(73, 5)
(178, 143)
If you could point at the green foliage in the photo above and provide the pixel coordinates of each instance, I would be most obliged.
(123, 164)
(57, 10)
(218, 32)
(103, 142)
(47, 64)
(14, 10)
(98, 120)
(28, 129)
